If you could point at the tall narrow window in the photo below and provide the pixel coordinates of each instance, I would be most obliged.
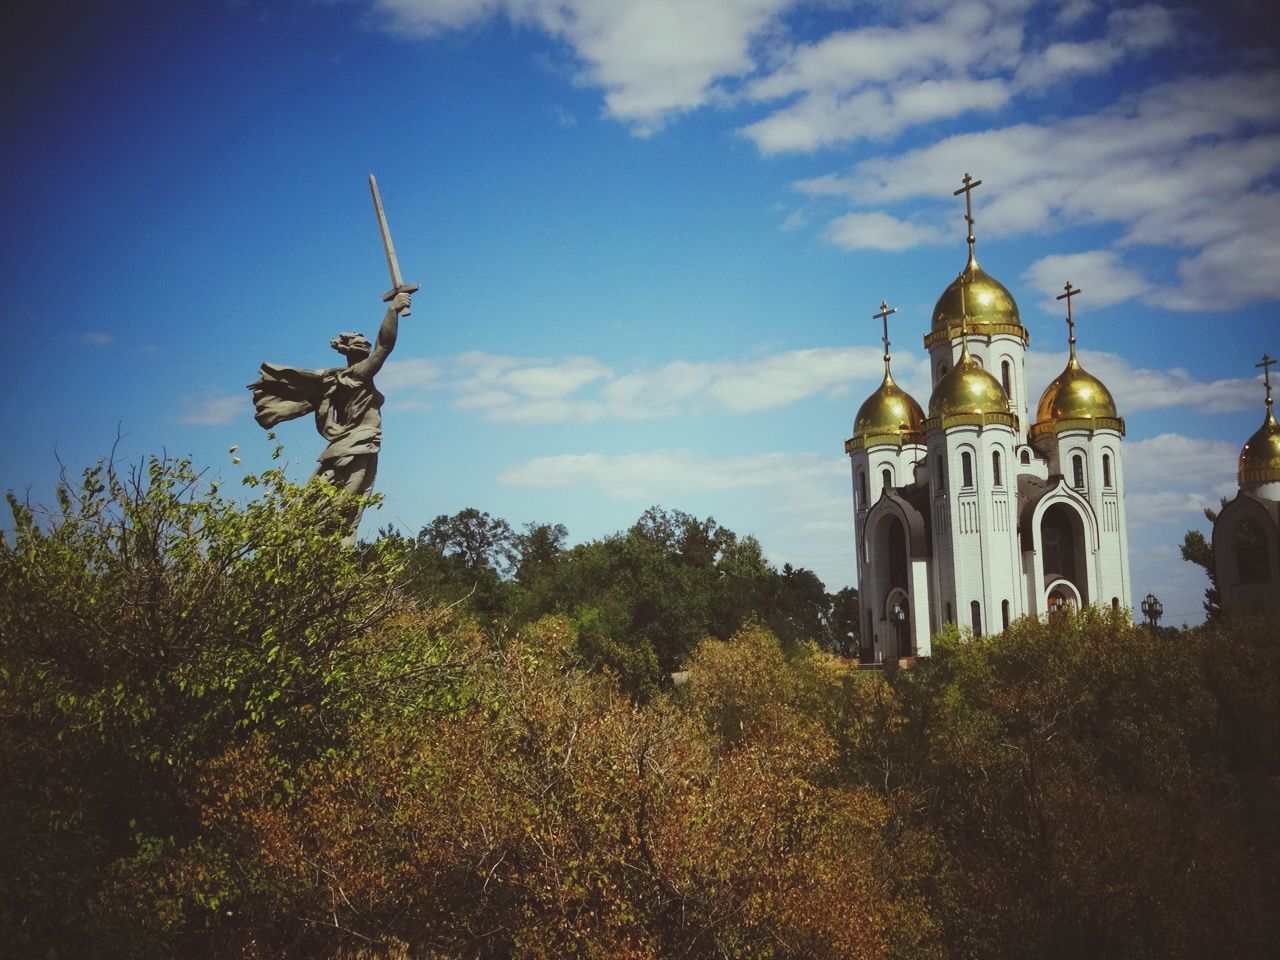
(975, 612)
(886, 477)
(966, 467)
(862, 490)
(1115, 604)
(1077, 472)
(1106, 470)
(1026, 457)
(949, 620)
(995, 468)
(1004, 614)
(1006, 378)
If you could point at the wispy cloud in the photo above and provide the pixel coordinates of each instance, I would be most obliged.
(1137, 389)
(798, 504)
(1109, 280)
(652, 59)
(578, 389)
(94, 338)
(584, 389)
(1189, 164)
(214, 410)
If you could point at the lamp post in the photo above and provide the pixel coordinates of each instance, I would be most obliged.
(1152, 609)
(900, 630)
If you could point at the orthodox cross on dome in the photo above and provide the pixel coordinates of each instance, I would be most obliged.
(967, 190)
(1071, 321)
(883, 317)
(1266, 365)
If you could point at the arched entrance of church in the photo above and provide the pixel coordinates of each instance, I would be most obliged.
(898, 611)
(889, 543)
(1064, 556)
(1061, 597)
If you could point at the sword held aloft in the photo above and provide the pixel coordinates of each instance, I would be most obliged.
(397, 282)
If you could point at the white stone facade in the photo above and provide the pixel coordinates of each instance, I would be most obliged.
(977, 523)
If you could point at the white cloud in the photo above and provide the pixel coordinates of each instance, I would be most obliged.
(799, 505)
(1189, 164)
(1154, 464)
(1109, 281)
(1129, 30)
(214, 410)
(582, 389)
(1136, 389)
(411, 373)
(653, 59)
(878, 231)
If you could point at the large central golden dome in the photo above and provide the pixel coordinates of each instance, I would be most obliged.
(989, 305)
(1260, 458)
(890, 411)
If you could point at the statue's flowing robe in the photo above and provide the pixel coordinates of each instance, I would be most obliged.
(348, 409)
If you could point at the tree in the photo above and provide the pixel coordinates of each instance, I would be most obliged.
(148, 624)
(1197, 549)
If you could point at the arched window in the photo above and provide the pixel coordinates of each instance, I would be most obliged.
(975, 612)
(942, 475)
(1004, 614)
(1106, 470)
(1249, 542)
(1077, 471)
(886, 477)
(862, 490)
(995, 468)
(1026, 457)
(966, 467)
(949, 620)
(1115, 604)
(1006, 378)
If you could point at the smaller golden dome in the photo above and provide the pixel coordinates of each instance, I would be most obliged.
(888, 411)
(1260, 458)
(1075, 394)
(967, 389)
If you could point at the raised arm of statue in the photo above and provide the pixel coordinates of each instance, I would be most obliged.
(370, 365)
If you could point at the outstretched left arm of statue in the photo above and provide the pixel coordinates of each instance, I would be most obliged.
(386, 342)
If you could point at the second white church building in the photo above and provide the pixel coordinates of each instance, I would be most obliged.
(973, 513)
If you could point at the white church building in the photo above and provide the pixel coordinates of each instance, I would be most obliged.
(973, 513)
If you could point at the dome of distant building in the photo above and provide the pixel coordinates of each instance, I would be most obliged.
(1260, 457)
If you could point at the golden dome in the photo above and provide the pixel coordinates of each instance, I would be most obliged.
(1260, 458)
(890, 411)
(1076, 394)
(968, 389)
(990, 306)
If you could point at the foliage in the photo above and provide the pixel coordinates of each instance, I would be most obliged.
(1197, 549)
(148, 623)
(225, 735)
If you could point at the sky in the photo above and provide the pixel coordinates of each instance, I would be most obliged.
(651, 237)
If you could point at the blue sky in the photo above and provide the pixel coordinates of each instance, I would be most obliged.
(651, 237)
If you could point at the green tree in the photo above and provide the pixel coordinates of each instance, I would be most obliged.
(148, 623)
(1197, 549)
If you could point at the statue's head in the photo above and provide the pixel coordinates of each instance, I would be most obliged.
(354, 346)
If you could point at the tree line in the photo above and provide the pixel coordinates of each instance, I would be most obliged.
(222, 734)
